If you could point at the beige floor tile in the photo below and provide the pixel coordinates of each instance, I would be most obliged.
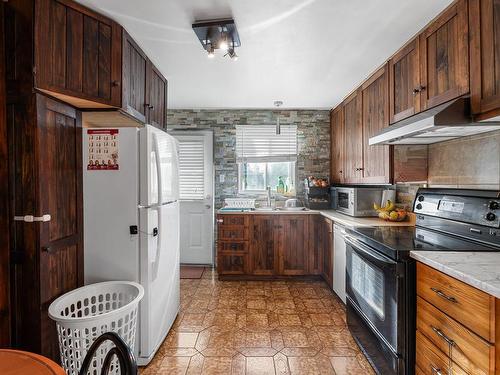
(260, 366)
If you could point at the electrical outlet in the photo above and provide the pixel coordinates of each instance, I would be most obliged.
(222, 178)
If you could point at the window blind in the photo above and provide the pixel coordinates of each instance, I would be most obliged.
(260, 143)
(191, 169)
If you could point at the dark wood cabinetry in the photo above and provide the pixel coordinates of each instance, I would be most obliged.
(49, 255)
(232, 244)
(89, 61)
(264, 245)
(484, 24)
(326, 241)
(135, 73)
(337, 138)
(376, 166)
(444, 57)
(77, 54)
(267, 246)
(157, 103)
(293, 244)
(353, 134)
(404, 82)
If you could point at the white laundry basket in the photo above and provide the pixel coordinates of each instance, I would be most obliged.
(85, 313)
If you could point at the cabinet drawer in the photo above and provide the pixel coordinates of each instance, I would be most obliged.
(243, 220)
(464, 303)
(233, 246)
(233, 233)
(470, 351)
(431, 361)
(232, 263)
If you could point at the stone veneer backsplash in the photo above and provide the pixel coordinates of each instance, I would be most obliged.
(313, 132)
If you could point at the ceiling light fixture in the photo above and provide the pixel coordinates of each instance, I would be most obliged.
(278, 104)
(218, 34)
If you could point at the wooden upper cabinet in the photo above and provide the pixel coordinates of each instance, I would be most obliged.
(264, 245)
(293, 244)
(375, 113)
(404, 82)
(337, 145)
(135, 73)
(444, 57)
(484, 24)
(353, 133)
(157, 104)
(77, 54)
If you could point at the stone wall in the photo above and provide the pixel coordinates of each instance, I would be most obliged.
(313, 132)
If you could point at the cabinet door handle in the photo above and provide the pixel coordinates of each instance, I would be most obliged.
(151, 107)
(444, 296)
(416, 91)
(443, 336)
(220, 221)
(435, 370)
(115, 83)
(47, 249)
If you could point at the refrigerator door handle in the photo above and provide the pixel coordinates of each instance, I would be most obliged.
(156, 147)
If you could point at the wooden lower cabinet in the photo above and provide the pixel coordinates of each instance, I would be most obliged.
(449, 310)
(327, 250)
(293, 244)
(274, 245)
(264, 245)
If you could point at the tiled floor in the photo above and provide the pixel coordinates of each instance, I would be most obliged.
(258, 328)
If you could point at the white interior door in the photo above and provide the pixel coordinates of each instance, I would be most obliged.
(196, 191)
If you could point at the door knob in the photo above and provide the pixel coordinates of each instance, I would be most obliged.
(207, 206)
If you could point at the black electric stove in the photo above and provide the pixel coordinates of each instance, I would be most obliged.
(381, 276)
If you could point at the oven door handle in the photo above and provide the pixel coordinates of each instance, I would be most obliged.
(367, 251)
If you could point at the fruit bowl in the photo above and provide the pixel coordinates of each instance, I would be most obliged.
(389, 212)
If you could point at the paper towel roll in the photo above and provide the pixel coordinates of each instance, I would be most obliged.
(388, 195)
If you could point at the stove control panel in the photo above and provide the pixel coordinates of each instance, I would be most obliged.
(476, 208)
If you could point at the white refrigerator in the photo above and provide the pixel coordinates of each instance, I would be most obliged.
(131, 222)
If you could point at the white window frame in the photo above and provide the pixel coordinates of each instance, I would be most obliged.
(292, 169)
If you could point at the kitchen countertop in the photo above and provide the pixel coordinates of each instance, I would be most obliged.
(337, 217)
(478, 269)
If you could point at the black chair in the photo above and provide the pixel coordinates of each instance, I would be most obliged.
(128, 366)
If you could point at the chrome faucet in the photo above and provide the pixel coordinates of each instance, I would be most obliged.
(268, 196)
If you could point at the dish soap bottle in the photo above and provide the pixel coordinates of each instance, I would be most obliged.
(281, 185)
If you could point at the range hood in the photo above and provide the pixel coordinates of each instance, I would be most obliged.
(447, 121)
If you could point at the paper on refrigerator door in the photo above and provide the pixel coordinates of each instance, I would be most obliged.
(102, 149)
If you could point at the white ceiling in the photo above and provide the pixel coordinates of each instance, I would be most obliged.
(308, 53)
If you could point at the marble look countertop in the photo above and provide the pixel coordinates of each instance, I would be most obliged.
(337, 217)
(479, 269)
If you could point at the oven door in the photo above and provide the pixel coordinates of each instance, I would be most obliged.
(373, 285)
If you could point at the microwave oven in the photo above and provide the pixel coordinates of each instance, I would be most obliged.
(357, 201)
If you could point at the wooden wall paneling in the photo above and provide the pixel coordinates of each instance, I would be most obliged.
(377, 160)
(4, 200)
(404, 82)
(444, 57)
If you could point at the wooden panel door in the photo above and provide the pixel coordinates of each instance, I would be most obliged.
(337, 142)
(4, 202)
(60, 195)
(231, 263)
(484, 28)
(77, 54)
(135, 67)
(327, 242)
(444, 57)
(157, 103)
(293, 244)
(353, 138)
(264, 245)
(376, 159)
(404, 82)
